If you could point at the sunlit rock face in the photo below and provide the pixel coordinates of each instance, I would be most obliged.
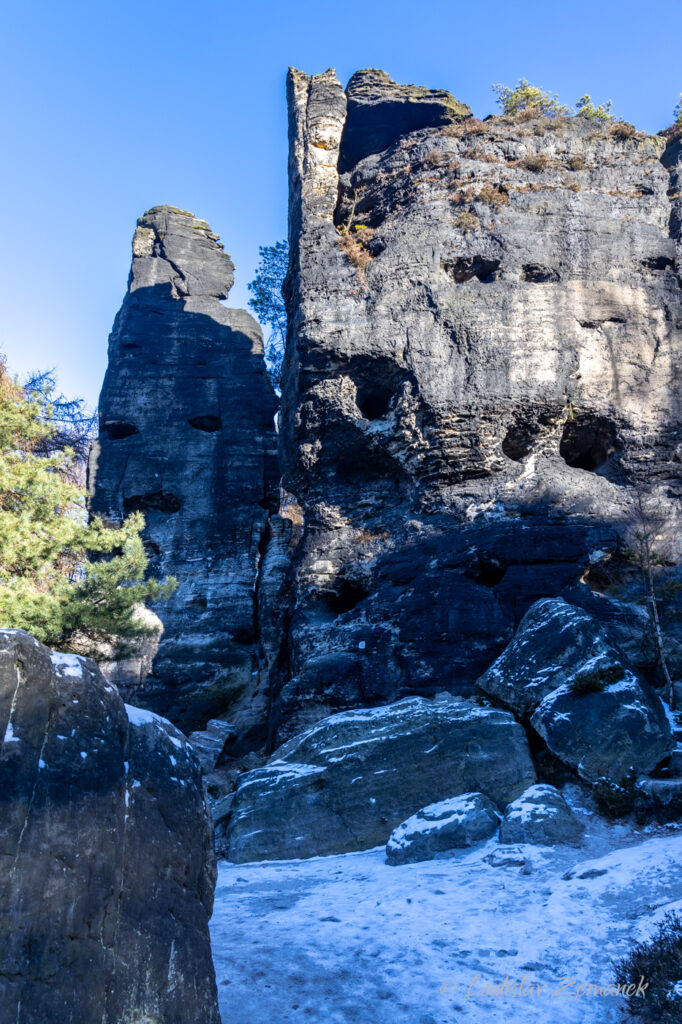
(482, 372)
(187, 436)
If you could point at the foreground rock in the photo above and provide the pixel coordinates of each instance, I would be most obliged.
(186, 436)
(595, 714)
(540, 816)
(108, 877)
(447, 825)
(348, 781)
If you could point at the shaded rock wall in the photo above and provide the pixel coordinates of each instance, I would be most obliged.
(482, 368)
(187, 436)
(108, 869)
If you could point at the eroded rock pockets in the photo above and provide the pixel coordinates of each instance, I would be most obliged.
(472, 349)
(109, 872)
(187, 437)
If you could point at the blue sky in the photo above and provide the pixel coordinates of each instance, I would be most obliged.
(112, 107)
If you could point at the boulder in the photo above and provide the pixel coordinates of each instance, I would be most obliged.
(446, 825)
(604, 723)
(349, 780)
(540, 816)
(552, 640)
(109, 872)
(209, 743)
(562, 674)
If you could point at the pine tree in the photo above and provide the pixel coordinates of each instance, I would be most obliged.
(73, 584)
(268, 303)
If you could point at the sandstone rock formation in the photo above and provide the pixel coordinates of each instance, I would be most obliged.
(187, 436)
(108, 867)
(605, 735)
(482, 372)
(562, 674)
(540, 816)
(552, 642)
(447, 825)
(348, 781)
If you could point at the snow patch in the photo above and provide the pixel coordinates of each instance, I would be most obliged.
(67, 664)
(9, 734)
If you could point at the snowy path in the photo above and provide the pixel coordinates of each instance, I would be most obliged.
(348, 939)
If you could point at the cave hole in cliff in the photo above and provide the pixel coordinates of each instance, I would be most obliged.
(116, 430)
(373, 400)
(347, 595)
(209, 423)
(159, 501)
(588, 441)
(534, 273)
(467, 267)
(518, 441)
(488, 571)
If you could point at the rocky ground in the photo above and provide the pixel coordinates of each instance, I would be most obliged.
(348, 938)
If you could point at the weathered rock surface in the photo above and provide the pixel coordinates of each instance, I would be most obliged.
(447, 825)
(485, 324)
(108, 868)
(187, 437)
(563, 675)
(553, 640)
(209, 743)
(349, 780)
(540, 816)
(605, 735)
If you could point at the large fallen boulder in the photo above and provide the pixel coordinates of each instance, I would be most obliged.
(605, 723)
(447, 825)
(552, 640)
(562, 674)
(540, 816)
(348, 781)
(108, 877)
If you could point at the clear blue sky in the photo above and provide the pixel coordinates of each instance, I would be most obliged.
(112, 106)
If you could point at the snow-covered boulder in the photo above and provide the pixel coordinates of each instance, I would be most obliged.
(605, 734)
(562, 673)
(446, 825)
(552, 640)
(109, 868)
(540, 816)
(345, 783)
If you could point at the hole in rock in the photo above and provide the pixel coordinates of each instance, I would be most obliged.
(488, 572)
(348, 593)
(159, 501)
(466, 267)
(207, 423)
(594, 325)
(118, 429)
(659, 263)
(587, 442)
(244, 636)
(373, 400)
(537, 274)
(518, 442)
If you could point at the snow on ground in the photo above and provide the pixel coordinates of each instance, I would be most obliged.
(345, 939)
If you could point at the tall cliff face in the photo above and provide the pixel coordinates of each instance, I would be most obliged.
(482, 373)
(187, 436)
